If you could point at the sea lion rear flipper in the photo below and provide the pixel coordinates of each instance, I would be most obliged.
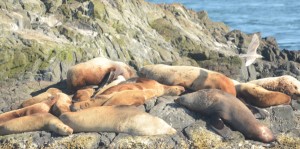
(218, 126)
(258, 112)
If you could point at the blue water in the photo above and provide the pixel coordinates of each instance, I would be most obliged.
(277, 18)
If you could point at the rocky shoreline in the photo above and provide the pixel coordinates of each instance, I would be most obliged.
(41, 39)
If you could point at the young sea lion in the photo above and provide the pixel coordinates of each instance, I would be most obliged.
(132, 93)
(193, 78)
(223, 106)
(120, 119)
(35, 122)
(43, 107)
(83, 94)
(62, 105)
(259, 96)
(93, 71)
(41, 97)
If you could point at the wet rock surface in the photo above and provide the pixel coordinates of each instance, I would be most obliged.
(40, 40)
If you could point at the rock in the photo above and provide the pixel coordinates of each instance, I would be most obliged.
(175, 115)
(282, 119)
(127, 141)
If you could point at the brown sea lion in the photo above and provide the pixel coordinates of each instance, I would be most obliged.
(224, 106)
(35, 122)
(259, 96)
(83, 94)
(130, 94)
(62, 105)
(193, 78)
(41, 97)
(285, 84)
(120, 119)
(93, 71)
(43, 107)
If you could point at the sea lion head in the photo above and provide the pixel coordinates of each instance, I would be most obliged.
(265, 134)
(174, 90)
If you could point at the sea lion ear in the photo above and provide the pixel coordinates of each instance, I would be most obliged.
(217, 125)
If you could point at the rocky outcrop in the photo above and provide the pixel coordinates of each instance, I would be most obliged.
(41, 39)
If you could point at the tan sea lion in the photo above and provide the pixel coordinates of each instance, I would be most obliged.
(193, 78)
(120, 119)
(41, 97)
(130, 94)
(43, 107)
(217, 103)
(285, 84)
(259, 96)
(83, 94)
(93, 71)
(62, 105)
(35, 122)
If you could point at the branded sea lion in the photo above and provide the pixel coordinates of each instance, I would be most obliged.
(35, 122)
(133, 93)
(43, 107)
(41, 97)
(62, 104)
(93, 71)
(285, 84)
(259, 96)
(225, 107)
(120, 119)
(83, 94)
(193, 78)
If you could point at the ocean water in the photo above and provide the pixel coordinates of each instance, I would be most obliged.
(277, 18)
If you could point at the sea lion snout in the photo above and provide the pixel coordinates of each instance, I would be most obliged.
(266, 135)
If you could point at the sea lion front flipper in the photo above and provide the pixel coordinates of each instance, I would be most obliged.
(106, 79)
(218, 126)
(258, 112)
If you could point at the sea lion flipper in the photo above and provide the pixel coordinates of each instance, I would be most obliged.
(258, 112)
(218, 126)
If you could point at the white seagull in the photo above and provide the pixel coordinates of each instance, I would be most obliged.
(251, 52)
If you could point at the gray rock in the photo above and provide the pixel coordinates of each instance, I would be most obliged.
(174, 114)
(282, 118)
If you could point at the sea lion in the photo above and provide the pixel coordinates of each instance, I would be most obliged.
(223, 106)
(120, 119)
(119, 80)
(83, 94)
(93, 71)
(43, 107)
(193, 78)
(35, 122)
(133, 93)
(259, 96)
(285, 84)
(62, 105)
(41, 97)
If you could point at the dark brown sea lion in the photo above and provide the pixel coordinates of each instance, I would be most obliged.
(225, 107)
(193, 78)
